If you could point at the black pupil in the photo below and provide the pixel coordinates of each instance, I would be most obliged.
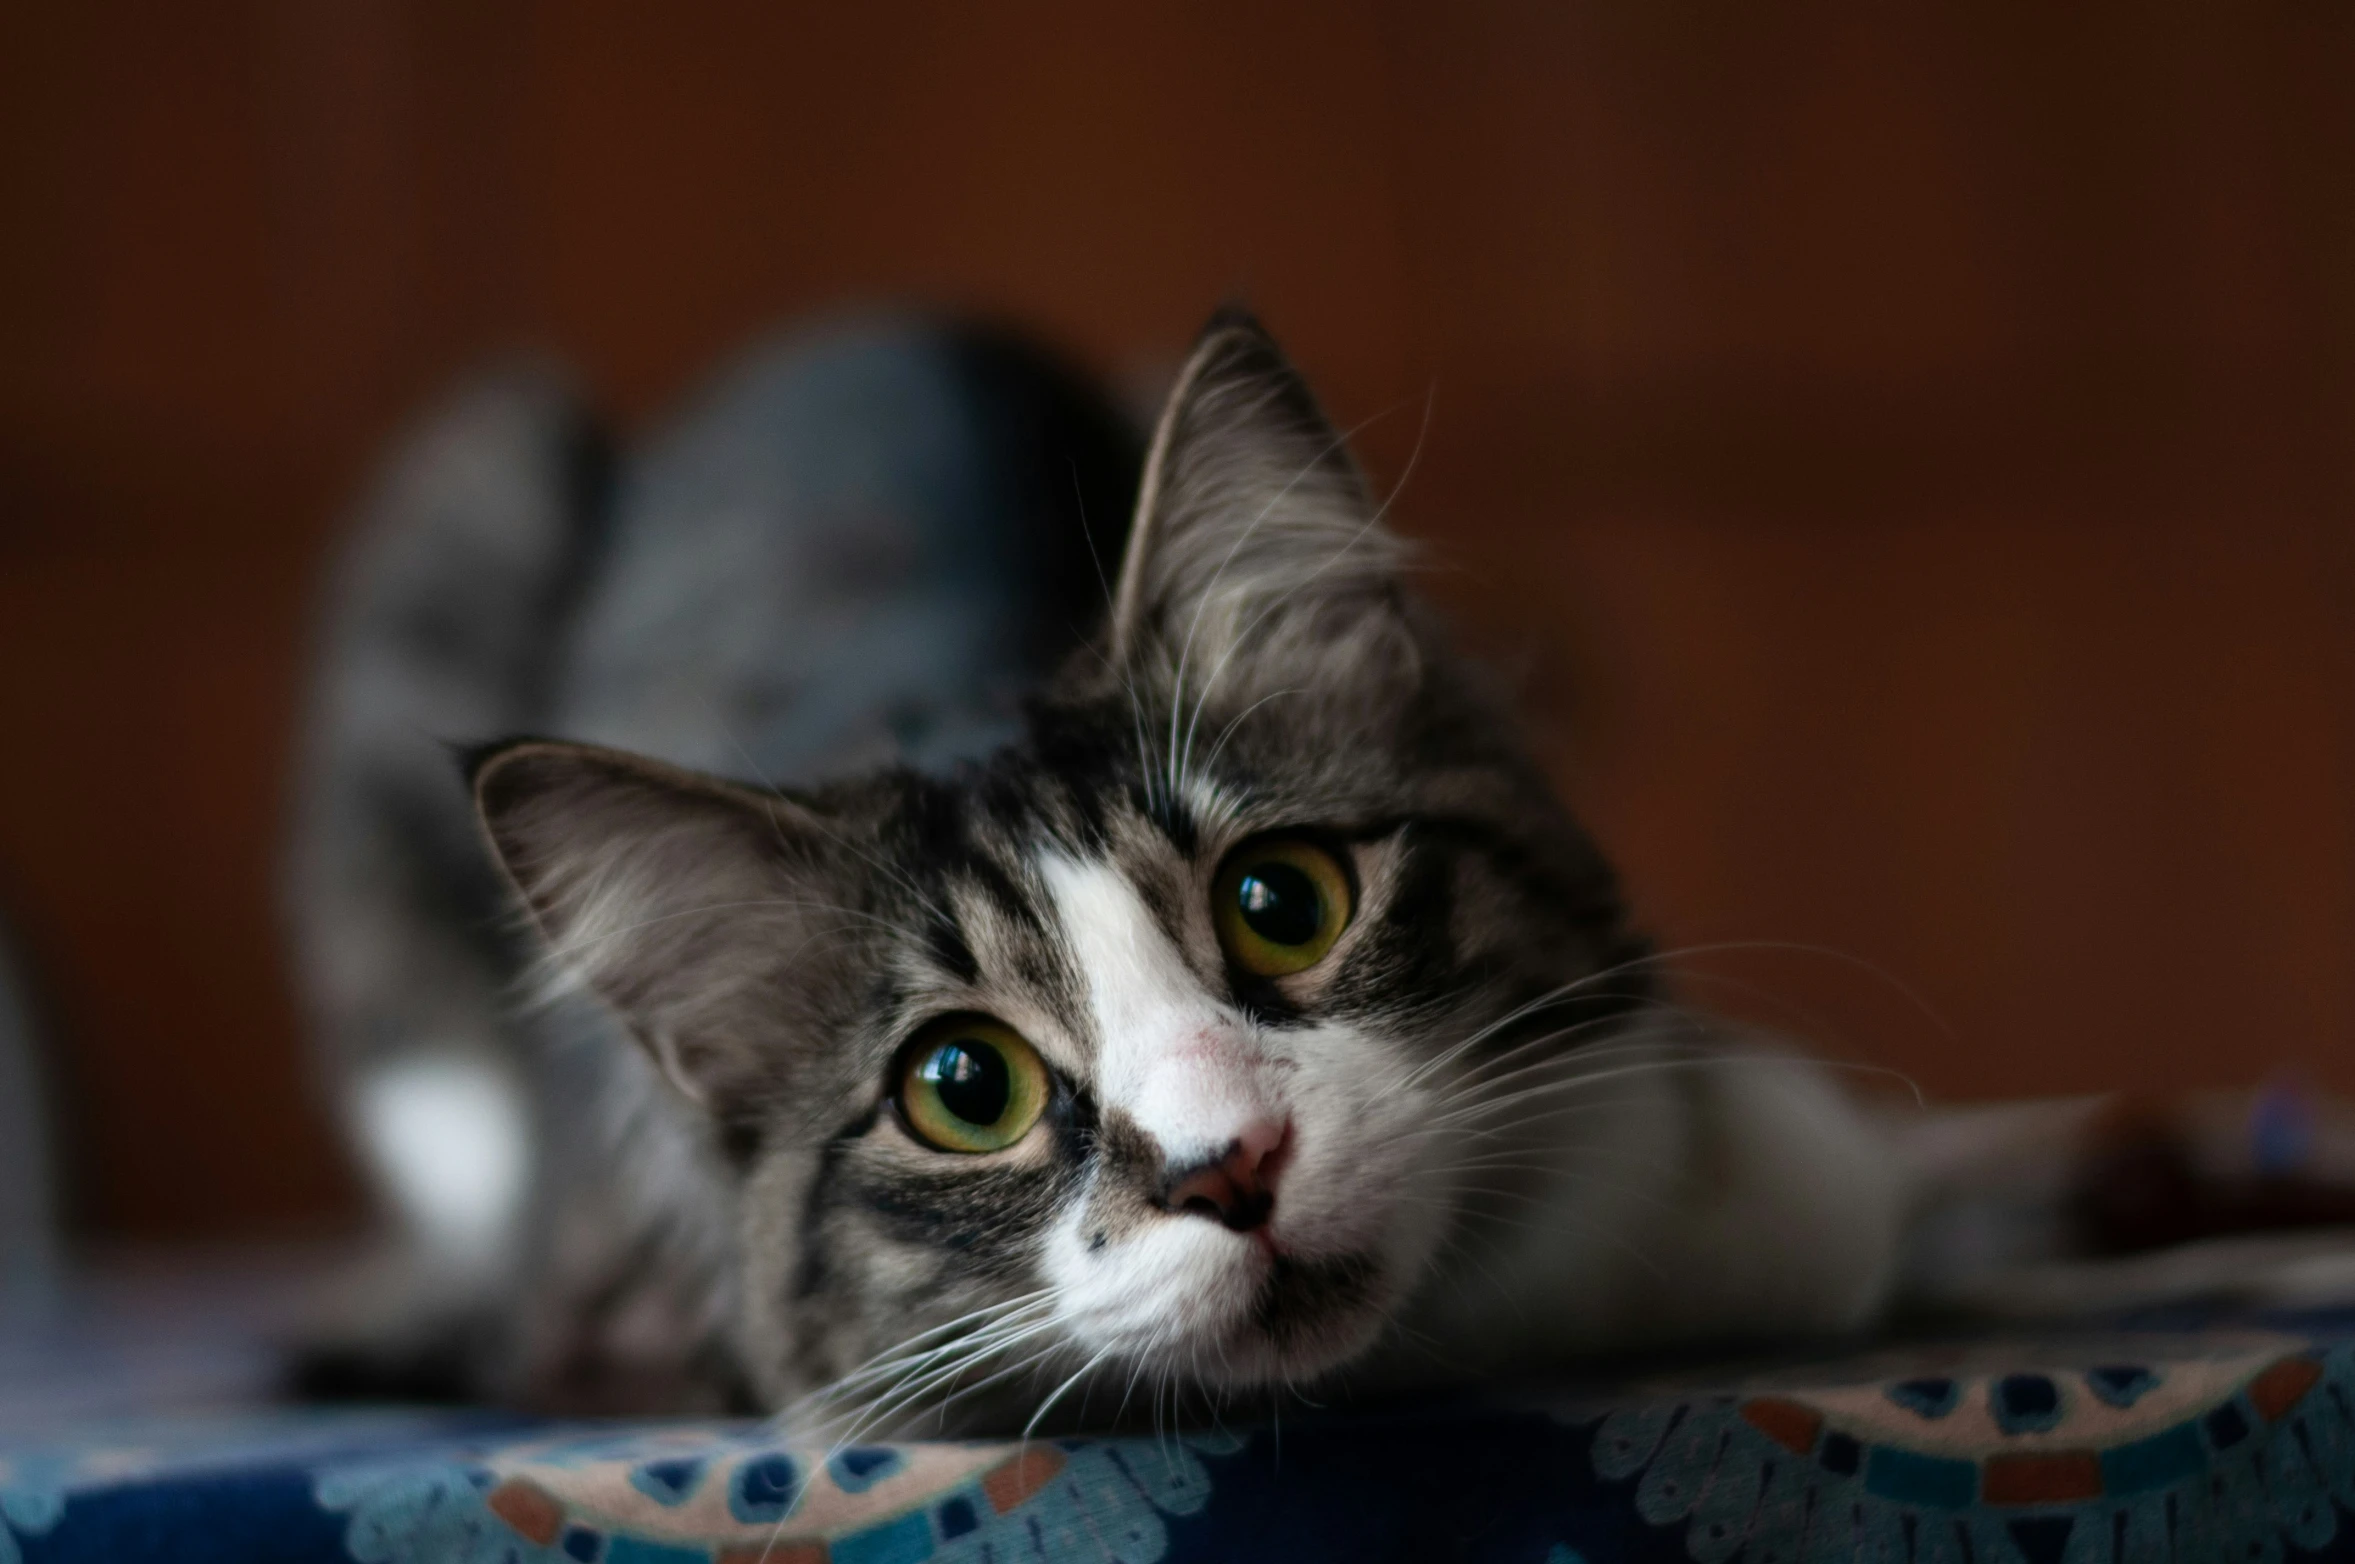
(972, 1080)
(1280, 903)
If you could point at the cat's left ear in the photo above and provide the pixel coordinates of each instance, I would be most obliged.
(1257, 562)
(702, 912)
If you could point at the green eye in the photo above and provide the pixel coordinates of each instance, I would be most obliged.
(1279, 904)
(972, 1084)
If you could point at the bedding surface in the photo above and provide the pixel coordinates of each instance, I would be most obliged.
(2223, 1440)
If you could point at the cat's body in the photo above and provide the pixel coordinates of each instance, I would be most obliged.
(1252, 1016)
(862, 544)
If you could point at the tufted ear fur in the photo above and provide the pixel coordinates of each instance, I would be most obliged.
(1256, 562)
(685, 902)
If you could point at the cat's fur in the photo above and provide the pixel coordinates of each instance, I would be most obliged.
(862, 542)
(1498, 1150)
(1492, 1142)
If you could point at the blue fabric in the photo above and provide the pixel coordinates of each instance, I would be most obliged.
(2227, 1441)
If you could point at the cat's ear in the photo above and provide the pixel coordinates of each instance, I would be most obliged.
(687, 903)
(1257, 560)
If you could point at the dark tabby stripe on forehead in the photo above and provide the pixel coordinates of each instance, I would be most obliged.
(941, 839)
(949, 947)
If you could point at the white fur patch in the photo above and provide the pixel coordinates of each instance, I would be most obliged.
(1174, 1059)
(1196, 1075)
(448, 1137)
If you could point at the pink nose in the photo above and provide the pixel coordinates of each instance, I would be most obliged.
(1237, 1188)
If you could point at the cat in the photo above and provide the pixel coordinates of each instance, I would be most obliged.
(1250, 1017)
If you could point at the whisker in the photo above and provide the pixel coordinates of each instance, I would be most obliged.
(893, 1378)
(908, 1393)
(896, 1374)
(1372, 522)
(1047, 1405)
(1506, 1070)
(1210, 764)
(1578, 1083)
(1515, 1062)
(1522, 1012)
(1210, 589)
(980, 1319)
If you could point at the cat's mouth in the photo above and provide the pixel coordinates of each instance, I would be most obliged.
(1235, 1310)
(1303, 1316)
(1233, 1296)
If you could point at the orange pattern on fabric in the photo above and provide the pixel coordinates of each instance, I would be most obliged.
(1018, 1479)
(2044, 1478)
(2283, 1386)
(528, 1508)
(1787, 1423)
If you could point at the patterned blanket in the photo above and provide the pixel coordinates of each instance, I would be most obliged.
(2233, 1442)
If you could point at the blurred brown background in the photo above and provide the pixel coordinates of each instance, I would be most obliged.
(1909, 456)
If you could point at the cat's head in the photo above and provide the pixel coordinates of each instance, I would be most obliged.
(1142, 1043)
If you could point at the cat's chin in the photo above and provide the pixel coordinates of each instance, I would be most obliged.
(1225, 1310)
(1307, 1318)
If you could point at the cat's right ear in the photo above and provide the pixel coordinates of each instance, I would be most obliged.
(687, 903)
(1257, 561)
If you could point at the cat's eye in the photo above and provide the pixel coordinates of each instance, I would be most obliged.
(1280, 903)
(972, 1084)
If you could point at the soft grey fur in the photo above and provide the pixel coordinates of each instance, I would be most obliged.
(443, 620)
(1505, 1151)
(1483, 1141)
(859, 544)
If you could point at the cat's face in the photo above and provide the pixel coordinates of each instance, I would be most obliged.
(1139, 1051)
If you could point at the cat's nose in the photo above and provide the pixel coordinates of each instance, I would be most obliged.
(1237, 1188)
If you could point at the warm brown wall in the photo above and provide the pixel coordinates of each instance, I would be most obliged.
(1910, 455)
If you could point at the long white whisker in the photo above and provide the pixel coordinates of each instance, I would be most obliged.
(1372, 522)
(1177, 693)
(1047, 1405)
(1549, 1046)
(908, 1392)
(1210, 764)
(1522, 1012)
(1507, 1069)
(888, 1378)
(985, 1317)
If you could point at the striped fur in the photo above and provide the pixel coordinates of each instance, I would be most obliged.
(1500, 1148)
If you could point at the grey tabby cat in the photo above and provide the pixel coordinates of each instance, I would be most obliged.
(1249, 1014)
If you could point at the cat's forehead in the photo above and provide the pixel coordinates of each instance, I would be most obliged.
(1157, 823)
(977, 864)
(972, 863)
(983, 840)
